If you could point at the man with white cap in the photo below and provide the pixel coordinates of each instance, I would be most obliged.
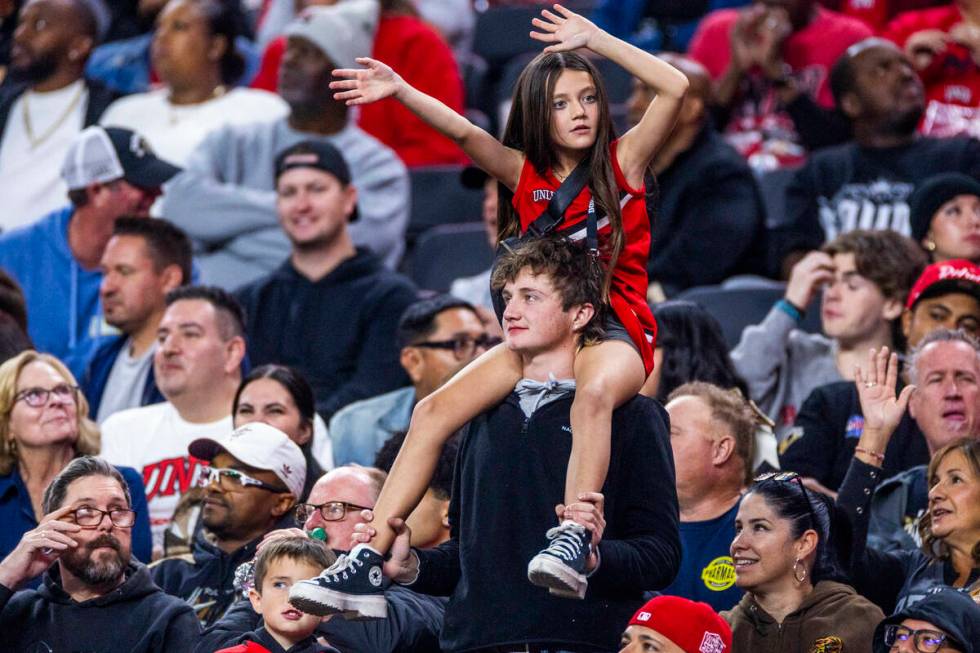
(110, 173)
(45, 101)
(226, 200)
(255, 477)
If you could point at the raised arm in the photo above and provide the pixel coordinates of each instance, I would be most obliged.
(377, 81)
(566, 30)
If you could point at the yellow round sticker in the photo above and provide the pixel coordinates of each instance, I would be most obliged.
(719, 575)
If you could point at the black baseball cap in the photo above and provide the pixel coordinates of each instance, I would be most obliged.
(319, 155)
(932, 194)
(950, 610)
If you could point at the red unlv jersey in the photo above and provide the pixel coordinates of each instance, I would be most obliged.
(628, 289)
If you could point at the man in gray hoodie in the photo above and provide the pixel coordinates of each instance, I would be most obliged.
(865, 277)
(225, 200)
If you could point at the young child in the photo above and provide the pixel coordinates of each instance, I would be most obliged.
(559, 119)
(278, 566)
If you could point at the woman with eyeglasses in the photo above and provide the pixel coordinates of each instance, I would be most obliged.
(949, 529)
(44, 424)
(281, 397)
(787, 559)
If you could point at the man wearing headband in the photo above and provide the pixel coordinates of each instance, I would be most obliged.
(331, 310)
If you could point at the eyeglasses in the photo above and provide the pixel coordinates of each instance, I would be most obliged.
(87, 517)
(232, 480)
(36, 397)
(330, 511)
(463, 346)
(925, 641)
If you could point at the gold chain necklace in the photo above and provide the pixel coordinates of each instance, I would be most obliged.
(29, 127)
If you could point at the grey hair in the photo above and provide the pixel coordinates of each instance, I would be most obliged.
(939, 335)
(80, 467)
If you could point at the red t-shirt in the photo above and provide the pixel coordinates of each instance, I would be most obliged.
(952, 81)
(628, 289)
(758, 128)
(417, 53)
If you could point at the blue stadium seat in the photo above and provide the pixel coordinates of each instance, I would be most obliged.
(738, 308)
(438, 197)
(448, 252)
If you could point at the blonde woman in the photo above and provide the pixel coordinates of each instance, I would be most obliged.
(44, 424)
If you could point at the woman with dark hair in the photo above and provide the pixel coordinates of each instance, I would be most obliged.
(788, 558)
(690, 347)
(281, 397)
(194, 55)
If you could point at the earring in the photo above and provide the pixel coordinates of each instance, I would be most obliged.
(797, 566)
(930, 246)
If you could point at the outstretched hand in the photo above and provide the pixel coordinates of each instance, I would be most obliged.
(365, 85)
(567, 31)
(876, 388)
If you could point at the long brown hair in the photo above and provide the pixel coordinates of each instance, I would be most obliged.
(528, 129)
(933, 546)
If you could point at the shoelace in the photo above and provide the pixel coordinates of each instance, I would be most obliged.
(338, 569)
(566, 542)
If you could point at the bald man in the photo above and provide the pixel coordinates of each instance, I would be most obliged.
(708, 203)
(45, 101)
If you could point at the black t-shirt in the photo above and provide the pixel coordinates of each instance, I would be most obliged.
(849, 187)
(829, 426)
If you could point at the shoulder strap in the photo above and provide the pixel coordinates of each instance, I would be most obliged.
(561, 200)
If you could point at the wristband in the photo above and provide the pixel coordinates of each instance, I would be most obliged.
(880, 457)
(787, 307)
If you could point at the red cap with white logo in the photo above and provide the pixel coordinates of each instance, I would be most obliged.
(956, 275)
(694, 627)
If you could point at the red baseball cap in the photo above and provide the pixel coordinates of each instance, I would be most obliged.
(694, 627)
(956, 275)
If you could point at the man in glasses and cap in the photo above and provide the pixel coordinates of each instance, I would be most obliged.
(331, 310)
(254, 477)
(945, 621)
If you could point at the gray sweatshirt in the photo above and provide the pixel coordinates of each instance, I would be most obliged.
(782, 365)
(226, 202)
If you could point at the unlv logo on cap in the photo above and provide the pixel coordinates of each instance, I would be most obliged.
(712, 643)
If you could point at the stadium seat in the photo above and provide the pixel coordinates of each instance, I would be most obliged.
(502, 33)
(738, 308)
(448, 252)
(438, 197)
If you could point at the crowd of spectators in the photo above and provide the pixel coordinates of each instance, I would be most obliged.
(213, 334)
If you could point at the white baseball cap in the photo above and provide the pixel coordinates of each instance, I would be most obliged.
(260, 446)
(343, 32)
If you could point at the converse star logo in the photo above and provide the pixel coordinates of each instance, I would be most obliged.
(375, 576)
(712, 643)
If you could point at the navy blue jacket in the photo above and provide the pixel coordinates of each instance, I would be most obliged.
(97, 375)
(510, 474)
(17, 513)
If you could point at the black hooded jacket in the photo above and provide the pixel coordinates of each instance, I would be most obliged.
(136, 617)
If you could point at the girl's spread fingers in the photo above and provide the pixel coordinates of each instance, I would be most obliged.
(540, 24)
(552, 17)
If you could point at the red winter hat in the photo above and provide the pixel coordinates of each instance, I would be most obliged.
(694, 627)
(956, 275)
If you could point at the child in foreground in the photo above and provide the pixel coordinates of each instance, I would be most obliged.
(278, 566)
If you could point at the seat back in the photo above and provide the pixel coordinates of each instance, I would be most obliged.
(448, 252)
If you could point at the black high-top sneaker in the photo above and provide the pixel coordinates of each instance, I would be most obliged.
(561, 565)
(352, 586)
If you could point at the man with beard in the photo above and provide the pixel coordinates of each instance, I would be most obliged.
(110, 173)
(94, 596)
(230, 177)
(45, 101)
(254, 477)
(865, 184)
(438, 336)
(331, 310)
